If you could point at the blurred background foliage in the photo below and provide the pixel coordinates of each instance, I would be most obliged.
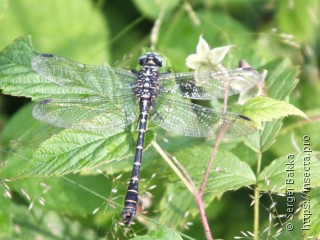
(114, 32)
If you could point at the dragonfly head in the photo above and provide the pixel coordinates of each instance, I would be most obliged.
(151, 58)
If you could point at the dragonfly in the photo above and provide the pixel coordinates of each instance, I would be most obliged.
(110, 99)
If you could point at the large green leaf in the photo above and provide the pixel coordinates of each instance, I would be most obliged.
(3, 7)
(267, 109)
(228, 172)
(293, 168)
(74, 150)
(18, 78)
(75, 29)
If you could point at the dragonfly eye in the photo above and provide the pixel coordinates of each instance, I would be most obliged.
(151, 58)
(143, 60)
(158, 60)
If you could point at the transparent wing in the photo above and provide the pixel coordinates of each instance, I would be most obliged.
(89, 114)
(211, 84)
(188, 119)
(99, 80)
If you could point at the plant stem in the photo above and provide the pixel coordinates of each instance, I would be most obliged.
(210, 163)
(257, 201)
(204, 219)
(206, 175)
(216, 145)
(256, 213)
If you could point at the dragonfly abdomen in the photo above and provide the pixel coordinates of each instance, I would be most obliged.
(131, 199)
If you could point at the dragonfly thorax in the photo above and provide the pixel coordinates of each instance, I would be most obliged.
(147, 82)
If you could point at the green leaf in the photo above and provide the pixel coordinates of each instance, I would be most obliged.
(263, 139)
(292, 168)
(16, 75)
(228, 172)
(153, 8)
(74, 29)
(160, 234)
(176, 203)
(18, 78)
(280, 82)
(281, 79)
(261, 109)
(75, 150)
(3, 7)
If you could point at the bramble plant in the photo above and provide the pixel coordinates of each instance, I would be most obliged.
(74, 180)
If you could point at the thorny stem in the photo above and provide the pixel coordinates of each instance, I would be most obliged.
(216, 145)
(204, 219)
(257, 201)
(210, 163)
(203, 184)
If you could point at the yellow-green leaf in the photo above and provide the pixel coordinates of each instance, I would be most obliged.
(264, 109)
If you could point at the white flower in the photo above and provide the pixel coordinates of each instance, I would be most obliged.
(205, 59)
